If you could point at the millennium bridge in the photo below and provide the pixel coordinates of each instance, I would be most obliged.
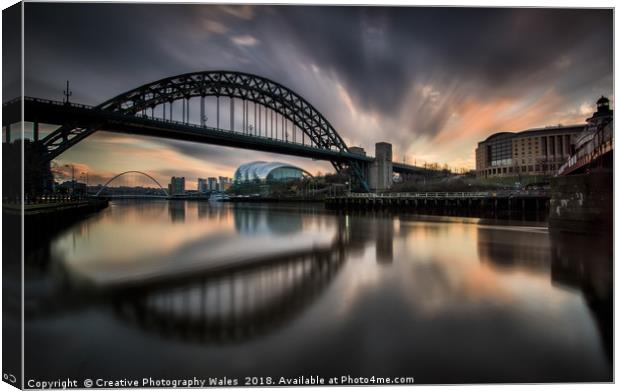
(263, 115)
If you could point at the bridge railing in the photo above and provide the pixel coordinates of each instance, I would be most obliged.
(451, 195)
(600, 143)
(233, 131)
(51, 102)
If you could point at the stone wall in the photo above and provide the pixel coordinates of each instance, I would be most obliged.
(582, 202)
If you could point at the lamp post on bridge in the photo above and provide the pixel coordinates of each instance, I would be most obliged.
(67, 93)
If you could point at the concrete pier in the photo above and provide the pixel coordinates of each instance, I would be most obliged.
(582, 202)
(380, 172)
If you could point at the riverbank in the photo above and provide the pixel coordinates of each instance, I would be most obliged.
(60, 208)
(272, 200)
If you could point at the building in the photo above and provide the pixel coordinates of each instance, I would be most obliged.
(176, 186)
(224, 183)
(266, 172)
(212, 184)
(202, 185)
(530, 152)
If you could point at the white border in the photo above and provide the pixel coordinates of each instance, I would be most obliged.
(457, 3)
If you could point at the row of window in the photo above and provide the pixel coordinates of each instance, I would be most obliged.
(522, 169)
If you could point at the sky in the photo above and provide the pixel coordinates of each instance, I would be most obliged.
(431, 81)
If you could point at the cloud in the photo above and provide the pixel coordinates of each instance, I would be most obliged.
(214, 26)
(239, 11)
(376, 73)
(244, 40)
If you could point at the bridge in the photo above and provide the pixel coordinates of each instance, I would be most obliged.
(162, 192)
(261, 115)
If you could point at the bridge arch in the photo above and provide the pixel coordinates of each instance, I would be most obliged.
(245, 86)
(132, 172)
(267, 95)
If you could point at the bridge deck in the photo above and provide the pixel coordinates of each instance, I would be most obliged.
(54, 112)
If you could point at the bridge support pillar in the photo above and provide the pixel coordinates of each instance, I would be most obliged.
(381, 169)
(7, 136)
(35, 131)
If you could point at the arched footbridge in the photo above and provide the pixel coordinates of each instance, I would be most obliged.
(214, 107)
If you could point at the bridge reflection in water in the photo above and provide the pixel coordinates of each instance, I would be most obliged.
(453, 299)
(225, 303)
(237, 304)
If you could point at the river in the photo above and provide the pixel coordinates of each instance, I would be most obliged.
(182, 289)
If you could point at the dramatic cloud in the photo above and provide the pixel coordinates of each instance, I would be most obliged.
(433, 81)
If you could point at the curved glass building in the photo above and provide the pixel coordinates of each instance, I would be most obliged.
(264, 172)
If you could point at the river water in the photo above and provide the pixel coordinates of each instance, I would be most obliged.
(182, 289)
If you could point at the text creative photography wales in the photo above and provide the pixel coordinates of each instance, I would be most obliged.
(212, 195)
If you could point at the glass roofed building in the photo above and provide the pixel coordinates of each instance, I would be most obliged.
(266, 172)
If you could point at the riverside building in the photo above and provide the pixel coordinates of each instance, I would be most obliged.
(530, 152)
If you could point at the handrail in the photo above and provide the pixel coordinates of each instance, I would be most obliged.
(432, 195)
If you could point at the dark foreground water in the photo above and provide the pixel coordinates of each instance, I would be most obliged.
(191, 289)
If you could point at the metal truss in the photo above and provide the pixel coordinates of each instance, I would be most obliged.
(234, 85)
(244, 86)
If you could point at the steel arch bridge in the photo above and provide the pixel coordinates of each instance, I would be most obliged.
(105, 186)
(273, 118)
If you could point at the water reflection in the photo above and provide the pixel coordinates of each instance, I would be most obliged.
(585, 262)
(250, 221)
(234, 305)
(176, 209)
(514, 247)
(162, 288)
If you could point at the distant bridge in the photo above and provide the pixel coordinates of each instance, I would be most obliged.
(273, 118)
(105, 186)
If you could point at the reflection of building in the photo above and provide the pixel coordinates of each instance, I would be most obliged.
(176, 186)
(176, 211)
(202, 185)
(265, 172)
(385, 240)
(504, 248)
(530, 152)
(249, 221)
